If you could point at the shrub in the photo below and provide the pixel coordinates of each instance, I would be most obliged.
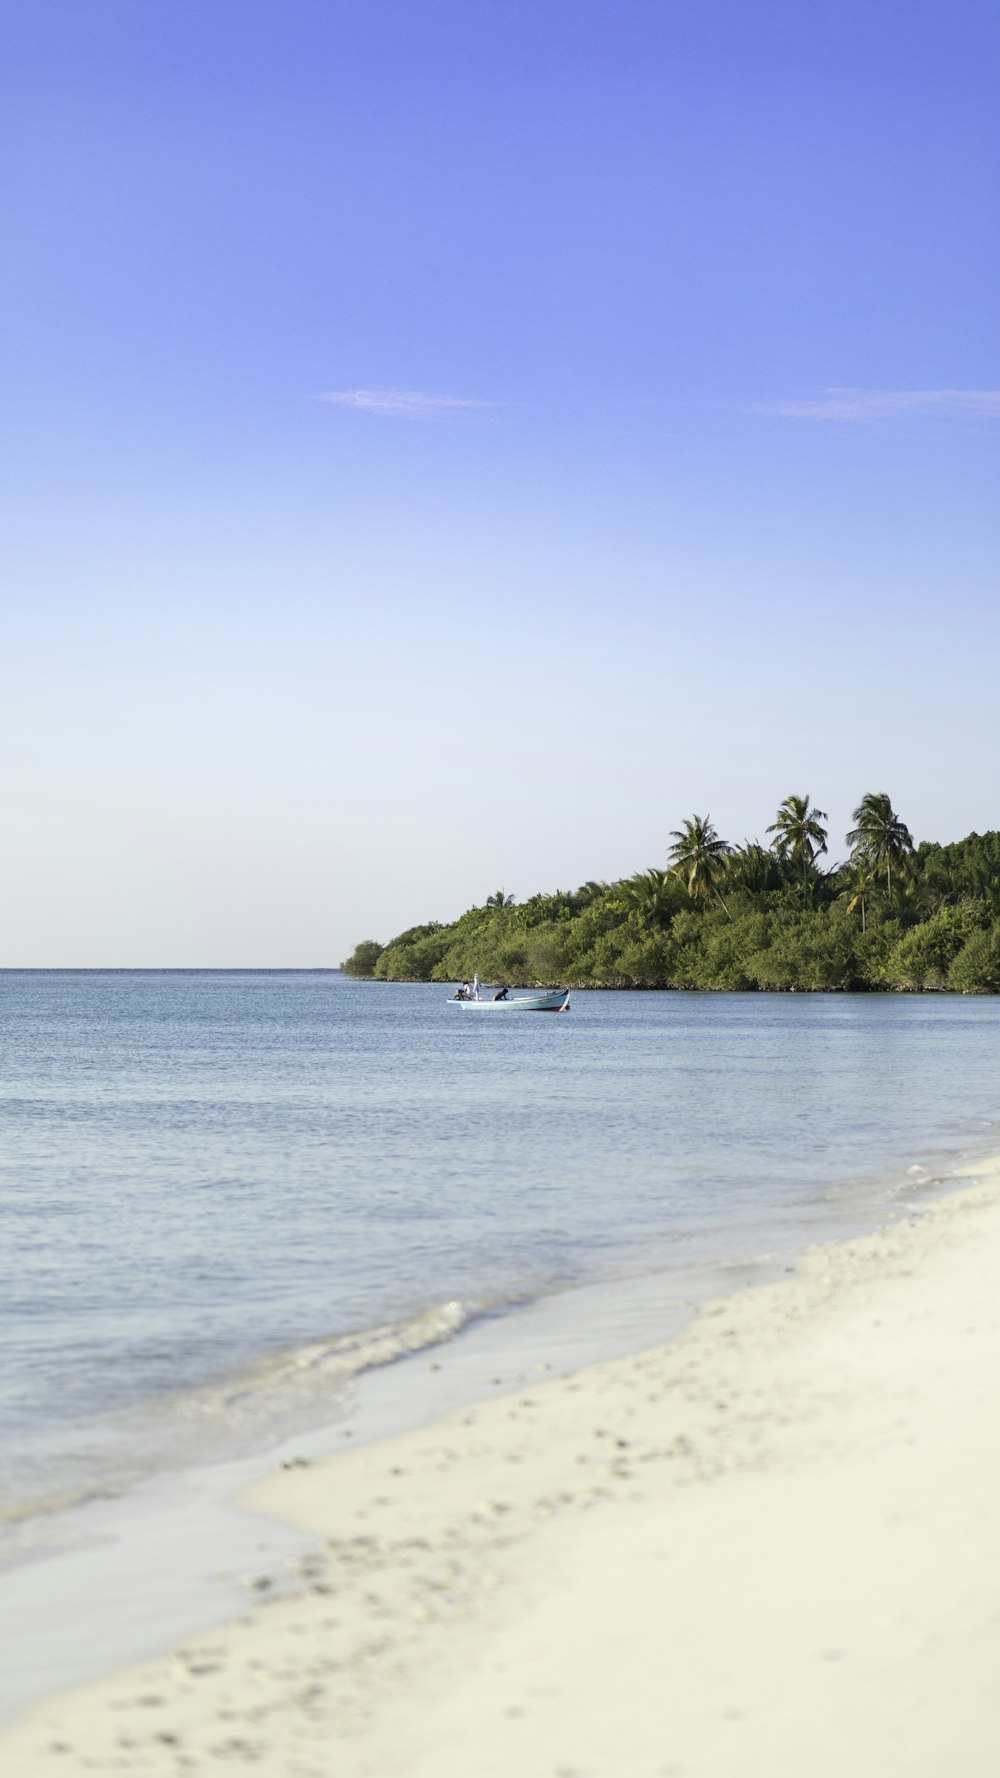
(976, 969)
(362, 960)
(923, 956)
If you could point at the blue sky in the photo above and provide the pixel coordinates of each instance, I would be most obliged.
(446, 444)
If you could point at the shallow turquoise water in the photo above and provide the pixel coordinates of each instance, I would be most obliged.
(213, 1187)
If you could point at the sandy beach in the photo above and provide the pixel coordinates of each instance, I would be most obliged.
(770, 1547)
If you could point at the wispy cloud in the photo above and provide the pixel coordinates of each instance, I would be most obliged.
(411, 404)
(890, 404)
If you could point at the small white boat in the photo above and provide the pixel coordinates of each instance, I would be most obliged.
(556, 1001)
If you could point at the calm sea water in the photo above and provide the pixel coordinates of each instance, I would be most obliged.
(223, 1195)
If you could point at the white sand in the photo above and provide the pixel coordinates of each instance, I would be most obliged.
(771, 1548)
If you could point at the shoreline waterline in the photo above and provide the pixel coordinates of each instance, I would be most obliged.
(213, 1183)
(416, 1494)
(199, 1547)
(298, 1392)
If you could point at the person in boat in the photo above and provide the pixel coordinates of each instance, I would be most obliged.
(502, 994)
(462, 993)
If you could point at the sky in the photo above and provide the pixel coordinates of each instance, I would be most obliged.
(446, 444)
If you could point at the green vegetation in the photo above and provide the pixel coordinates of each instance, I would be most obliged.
(893, 916)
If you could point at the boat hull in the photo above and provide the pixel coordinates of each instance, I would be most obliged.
(556, 1002)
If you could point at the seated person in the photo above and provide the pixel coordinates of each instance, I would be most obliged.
(502, 994)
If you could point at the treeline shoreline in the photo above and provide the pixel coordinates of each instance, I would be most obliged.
(894, 917)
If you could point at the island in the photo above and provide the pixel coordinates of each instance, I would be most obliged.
(894, 916)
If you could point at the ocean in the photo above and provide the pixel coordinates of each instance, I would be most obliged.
(226, 1197)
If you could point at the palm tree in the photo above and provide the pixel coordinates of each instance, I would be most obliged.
(800, 837)
(878, 837)
(499, 900)
(753, 868)
(858, 889)
(697, 856)
(646, 898)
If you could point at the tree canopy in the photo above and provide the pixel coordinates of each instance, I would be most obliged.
(800, 837)
(879, 839)
(697, 856)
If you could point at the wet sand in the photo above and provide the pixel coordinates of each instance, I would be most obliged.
(770, 1547)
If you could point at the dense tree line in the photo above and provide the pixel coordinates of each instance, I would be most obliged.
(892, 916)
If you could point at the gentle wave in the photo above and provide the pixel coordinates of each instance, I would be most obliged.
(301, 1386)
(20, 1510)
(302, 1373)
